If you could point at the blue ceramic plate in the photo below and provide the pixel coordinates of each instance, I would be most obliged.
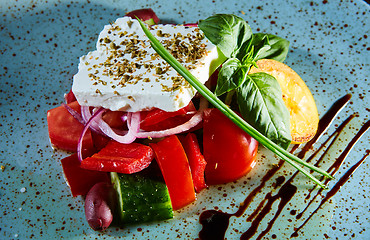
(41, 42)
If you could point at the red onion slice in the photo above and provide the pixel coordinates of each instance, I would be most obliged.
(99, 125)
(98, 113)
(123, 137)
(96, 123)
(133, 122)
(195, 120)
(86, 115)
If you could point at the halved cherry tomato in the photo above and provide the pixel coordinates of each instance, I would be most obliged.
(81, 180)
(65, 130)
(196, 160)
(121, 158)
(175, 169)
(230, 153)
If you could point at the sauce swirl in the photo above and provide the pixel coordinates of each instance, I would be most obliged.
(215, 223)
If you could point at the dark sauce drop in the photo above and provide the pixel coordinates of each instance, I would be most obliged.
(285, 194)
(215, 223)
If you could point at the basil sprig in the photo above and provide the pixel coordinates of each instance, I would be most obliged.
(259, 96)
(239, 121)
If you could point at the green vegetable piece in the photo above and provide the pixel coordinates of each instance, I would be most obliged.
(141, 198)
(261, 105)
(228, 32)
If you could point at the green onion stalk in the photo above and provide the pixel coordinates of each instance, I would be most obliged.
(217, 103)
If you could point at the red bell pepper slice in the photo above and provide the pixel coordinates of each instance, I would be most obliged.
(196, 161)
(121, 158)
(175, 169)
(168, 123)
(151, 119)
(81, 180)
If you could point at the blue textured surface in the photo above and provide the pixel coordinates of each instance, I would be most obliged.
(40, 43)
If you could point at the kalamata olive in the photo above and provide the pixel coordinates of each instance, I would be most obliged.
(99, 206)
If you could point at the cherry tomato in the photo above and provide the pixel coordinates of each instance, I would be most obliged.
(230, 153)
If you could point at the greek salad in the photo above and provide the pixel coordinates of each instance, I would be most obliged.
(145, 141)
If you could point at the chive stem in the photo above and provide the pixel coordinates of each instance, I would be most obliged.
(216, 102)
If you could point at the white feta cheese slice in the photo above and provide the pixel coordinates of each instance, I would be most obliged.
(125, 73)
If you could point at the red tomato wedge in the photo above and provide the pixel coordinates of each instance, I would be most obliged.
(196, 160)
(81, 180)
(175, 169)
(65, 130)
(230, 153)
(121, 158)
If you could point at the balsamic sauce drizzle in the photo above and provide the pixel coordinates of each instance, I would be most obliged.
(334, 190)
(338, 163)
(215, 223)
(333, 137)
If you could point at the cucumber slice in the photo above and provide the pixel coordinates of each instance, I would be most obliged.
(141, 198)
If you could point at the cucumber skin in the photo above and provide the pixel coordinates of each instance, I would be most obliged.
(141, 199)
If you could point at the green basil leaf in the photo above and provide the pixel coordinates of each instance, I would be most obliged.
(270, 46)
(228, 32)
(261, 105)
(230, 77)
